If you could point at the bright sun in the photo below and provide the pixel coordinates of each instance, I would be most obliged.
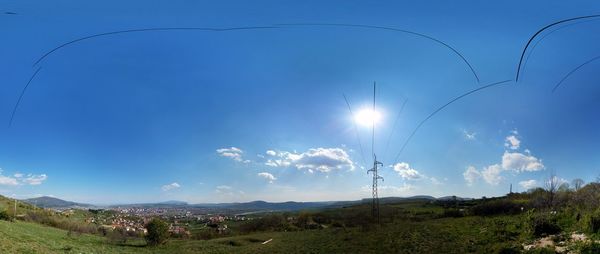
(367, 117)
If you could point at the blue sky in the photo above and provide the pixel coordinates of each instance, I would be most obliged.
(259, 114)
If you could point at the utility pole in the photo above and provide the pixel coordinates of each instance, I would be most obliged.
(15, 214)
(376, 176)
(375, 200)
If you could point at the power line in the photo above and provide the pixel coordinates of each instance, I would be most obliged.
(573, 71)
(395, 30)
(373, 123)
(355, 130)
(440, 109)
(376, 164)
(12, 116)
(540, 31)
(277, 26)
(546, 35)
(394, 126)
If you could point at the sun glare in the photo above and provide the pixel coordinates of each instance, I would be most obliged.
(367, 117)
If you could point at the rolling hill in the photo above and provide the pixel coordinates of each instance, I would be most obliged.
(51, 202)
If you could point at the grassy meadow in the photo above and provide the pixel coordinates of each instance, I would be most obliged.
(517, 223)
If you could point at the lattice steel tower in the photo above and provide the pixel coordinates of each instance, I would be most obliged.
(376, 176)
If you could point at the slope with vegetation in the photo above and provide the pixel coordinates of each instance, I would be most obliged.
(550, 220)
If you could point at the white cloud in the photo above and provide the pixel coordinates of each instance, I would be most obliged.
(35, 179)
(267, 176)
(529, 184)
(272, 163)
(224, 190)
(19, 178)
(315, 159)
(5, 180)
(469, 136)
(271, 153)
(512, 142)
(471, 175)
(224, 187)
(171, 186)
(491, 174)
(234, 153)
(231, 150)
(521, 162)
(406, 172)
(390, 190)
(511, 160)
(435, 181)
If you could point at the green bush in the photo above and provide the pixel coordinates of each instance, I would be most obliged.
(496, 207)
(590, 248)
(273, 222)
(593, 222)
(541, 251)
(4, 215)
(158, 232)
(508, 249)
(452, 213)
(49, 219)
(541, 224)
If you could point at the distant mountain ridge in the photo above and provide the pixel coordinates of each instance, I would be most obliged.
(51, 202)
(259, 205)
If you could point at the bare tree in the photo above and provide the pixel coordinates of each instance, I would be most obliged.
(551, 185)
(577, 184)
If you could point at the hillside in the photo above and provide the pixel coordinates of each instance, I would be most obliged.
(9, 205)
(497, 225)
(51, 202)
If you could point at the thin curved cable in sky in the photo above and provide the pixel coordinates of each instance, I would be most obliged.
(395, 30)
(355, 130)
(440, 109)
(12, 116)
(278, 26)
(546, 35)
(573, 71)
(540, 31)
(147, 30)
(387, 146)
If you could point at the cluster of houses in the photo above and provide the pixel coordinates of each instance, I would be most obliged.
(134, 219)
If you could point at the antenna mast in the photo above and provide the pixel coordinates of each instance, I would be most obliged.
(376, 176)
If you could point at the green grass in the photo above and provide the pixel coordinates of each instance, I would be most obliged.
(447, 235)
(409, 227)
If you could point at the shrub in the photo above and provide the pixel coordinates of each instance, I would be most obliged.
(48, 219)
(541, 225)
(117, 236)
(4, 215)
(205, 235)
(590, 248)
(496, 207)
(594, 222)
(452, 213)
(158, 232)
(507, 249)
(273, 222)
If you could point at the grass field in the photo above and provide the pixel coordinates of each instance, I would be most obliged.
(448, 235)
(407, 227)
